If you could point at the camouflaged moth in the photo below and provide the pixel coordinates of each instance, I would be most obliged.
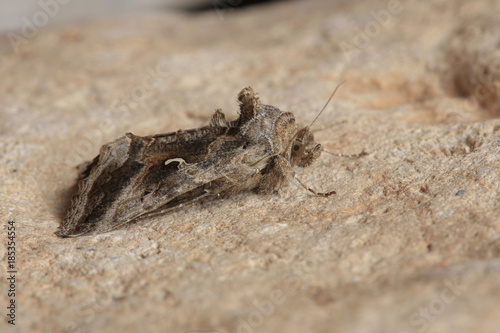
(136, 177)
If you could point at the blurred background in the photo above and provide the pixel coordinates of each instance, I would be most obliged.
(12, 12)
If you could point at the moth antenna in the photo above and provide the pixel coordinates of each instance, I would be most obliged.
(363, 153)
(326, 104)
(319, 194)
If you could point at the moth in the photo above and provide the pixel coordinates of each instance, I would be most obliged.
(136, 177)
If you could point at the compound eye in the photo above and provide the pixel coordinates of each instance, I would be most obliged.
(297, 148)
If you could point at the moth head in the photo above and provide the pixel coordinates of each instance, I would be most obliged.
(304, 150)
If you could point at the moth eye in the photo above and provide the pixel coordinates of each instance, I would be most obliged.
(297, 148)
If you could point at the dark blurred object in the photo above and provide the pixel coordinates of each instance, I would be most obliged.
(14, 15)
(208, 5)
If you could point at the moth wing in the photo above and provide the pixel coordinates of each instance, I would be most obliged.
(226, 171)
(129, 179)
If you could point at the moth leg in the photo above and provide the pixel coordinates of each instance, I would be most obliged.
(363, 153)
(277, 174)
(249, 104)
(319, 194)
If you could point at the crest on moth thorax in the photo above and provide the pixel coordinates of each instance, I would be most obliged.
(136, 177)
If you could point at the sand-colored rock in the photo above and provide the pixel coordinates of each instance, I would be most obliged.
(410, 243)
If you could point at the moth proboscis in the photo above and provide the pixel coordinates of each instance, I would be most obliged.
(135, 177)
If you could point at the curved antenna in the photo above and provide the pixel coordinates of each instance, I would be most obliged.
(328, 101)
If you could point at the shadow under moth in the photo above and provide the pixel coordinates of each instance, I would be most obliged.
(136, 177)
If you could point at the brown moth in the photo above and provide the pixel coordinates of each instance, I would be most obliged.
(136, 177)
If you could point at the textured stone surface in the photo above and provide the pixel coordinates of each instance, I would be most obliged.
(411, 242)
